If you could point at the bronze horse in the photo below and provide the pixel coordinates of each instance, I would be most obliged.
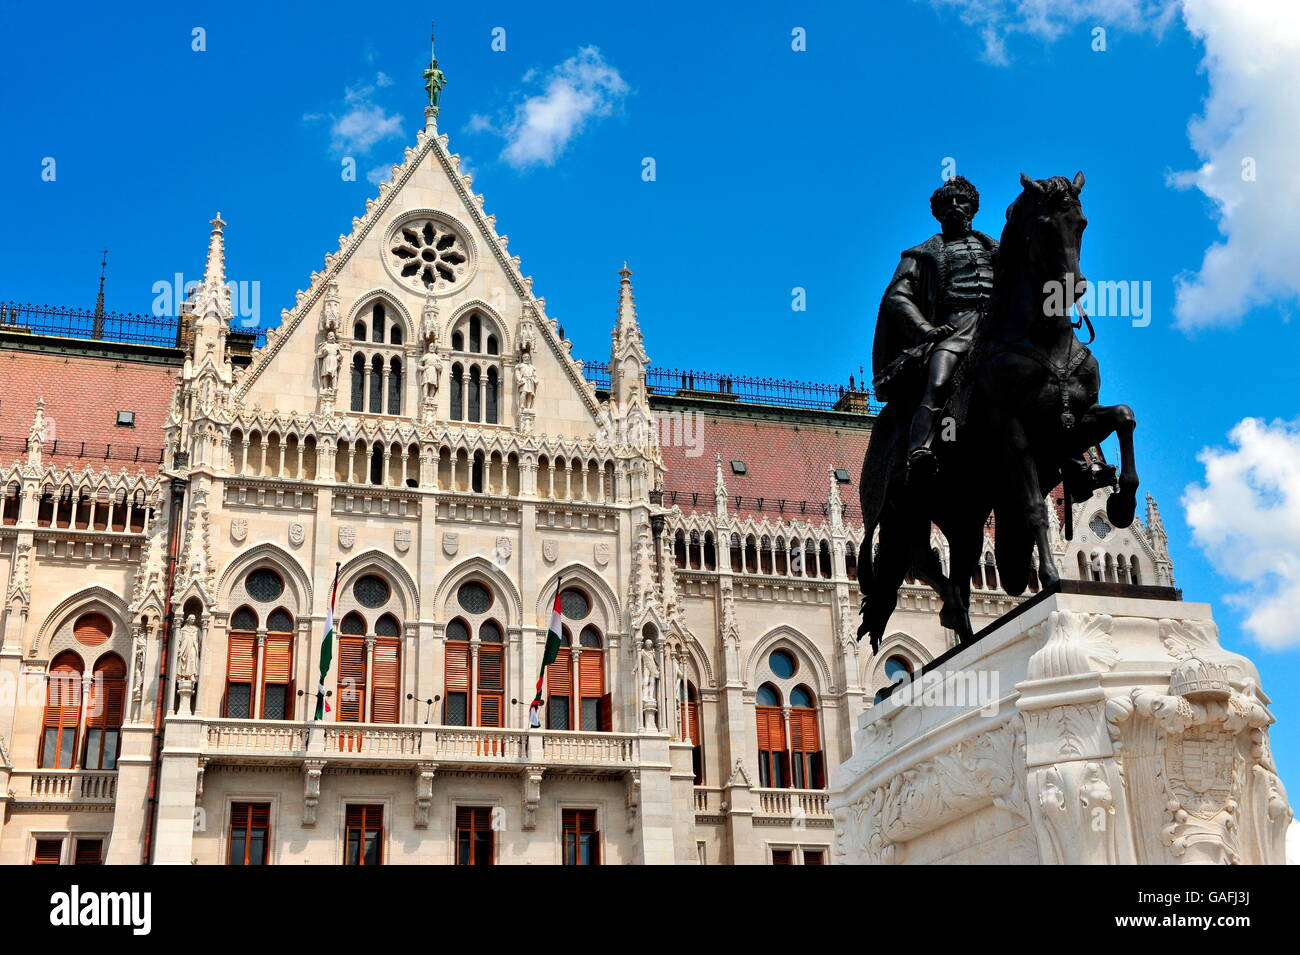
(1024, 413)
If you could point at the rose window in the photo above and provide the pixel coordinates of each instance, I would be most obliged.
(430, 254)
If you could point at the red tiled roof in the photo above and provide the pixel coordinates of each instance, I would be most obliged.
(785, 461)
(82, 398)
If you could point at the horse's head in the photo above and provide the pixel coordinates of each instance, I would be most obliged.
(1044, 232)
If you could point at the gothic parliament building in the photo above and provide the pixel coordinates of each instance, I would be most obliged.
(179, 511)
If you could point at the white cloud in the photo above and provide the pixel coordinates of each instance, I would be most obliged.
(1252, 63)
(1246, 517)
(581, 88)
(363, 123)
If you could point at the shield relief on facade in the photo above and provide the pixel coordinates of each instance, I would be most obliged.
(550, 550)
(1200, 766)
(504, 548)
(402, 539)
(347, 535)
(450, 543)
(602, 554)
(297, 533)
(239, 530)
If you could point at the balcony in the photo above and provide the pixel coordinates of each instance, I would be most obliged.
(793, 804)
(289, 743)
(64, 787)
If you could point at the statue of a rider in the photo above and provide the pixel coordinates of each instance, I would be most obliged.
(930, 313)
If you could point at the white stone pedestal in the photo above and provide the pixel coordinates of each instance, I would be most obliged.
(1087, 729)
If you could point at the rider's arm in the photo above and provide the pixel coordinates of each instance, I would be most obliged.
(902, 296)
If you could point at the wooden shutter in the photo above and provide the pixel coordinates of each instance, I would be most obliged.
(89, 852)
(559, 675)
(457, 677)
(385, 676)
(771, 728)
(365, 817)
(241, 664)
(277, 669)
(107, 694)
(63, 693)
(491, 684)
(605, 713)
(591, 673)
(351, 693)
(691, 720)
(48, 852)
(803, 731)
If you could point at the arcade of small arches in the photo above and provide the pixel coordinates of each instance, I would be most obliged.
(760, 554)
(82, 505)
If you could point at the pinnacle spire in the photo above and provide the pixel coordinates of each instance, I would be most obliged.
(719, 487)
(99, 299)
(214, 273)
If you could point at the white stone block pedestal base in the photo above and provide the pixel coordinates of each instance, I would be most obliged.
(1085, 729)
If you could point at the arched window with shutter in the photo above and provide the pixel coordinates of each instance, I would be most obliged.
(241, 664)
(474, 676)
(773, 759)
(806, 763)
(277, 667)
(104, 716)
(62, 716)
(386, 672)
(351, 693)
(576, 697)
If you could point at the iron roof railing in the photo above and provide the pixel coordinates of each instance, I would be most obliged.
(124, 327)
(88, 450)
(675, 382)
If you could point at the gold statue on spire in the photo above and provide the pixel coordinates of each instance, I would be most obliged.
(434, 79)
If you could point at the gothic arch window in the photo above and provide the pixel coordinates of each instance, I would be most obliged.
(359, 332)
(897, 669)
(370, 652)
(61, 720)
(358, 382)
(260, 648)
(395, 384)
(575, 682)
(104, 713)
(491, 396)
(377, 319)
(475, 393)
(457, 392)
(458, 340)
(808, 770)
(474, 681)
(773, 759)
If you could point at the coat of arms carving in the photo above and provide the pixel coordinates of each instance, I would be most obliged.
(550, 550)
(239, 530)
(505, 547)
(602, 553)
(450, 543)
(297, 533)
(402, 539)
(347, 535)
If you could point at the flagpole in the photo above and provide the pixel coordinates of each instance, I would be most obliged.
(326, 647)
(533, 721)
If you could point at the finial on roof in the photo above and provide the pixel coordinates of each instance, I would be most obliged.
(214, 272)
(719, 487)
(99, 299)
(434, 78)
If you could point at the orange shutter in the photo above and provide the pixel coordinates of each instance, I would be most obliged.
(89, 852)
(352, 679)
(107, 694)
(242, 662)
(63, 695)
(364, 817)
(457, 678)
(591, 673)
(491, 684)
(692, 721)
(559, 675)
(385, 676)
(48, 852)
(803, 731)
(277, 667)
(771, 728)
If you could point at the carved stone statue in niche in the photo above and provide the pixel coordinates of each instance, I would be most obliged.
(187, 650)
(648, 666)
(429, 322)
(430, 370)
(526, 383)
(328, 356)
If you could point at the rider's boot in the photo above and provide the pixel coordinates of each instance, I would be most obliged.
(921, 461)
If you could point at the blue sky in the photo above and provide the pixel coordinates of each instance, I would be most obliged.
(774, 169)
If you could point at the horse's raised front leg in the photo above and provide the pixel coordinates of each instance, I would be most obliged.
(1099, 422)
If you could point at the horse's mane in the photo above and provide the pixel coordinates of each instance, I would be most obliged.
(1015, 236)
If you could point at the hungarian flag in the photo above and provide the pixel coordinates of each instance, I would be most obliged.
(548, 656)
(327, 649)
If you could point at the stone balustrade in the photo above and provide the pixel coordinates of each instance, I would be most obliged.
(65, 786)
(793, 802)
(373, 743)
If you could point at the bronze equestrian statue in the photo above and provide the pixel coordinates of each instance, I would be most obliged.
(1006, 387)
